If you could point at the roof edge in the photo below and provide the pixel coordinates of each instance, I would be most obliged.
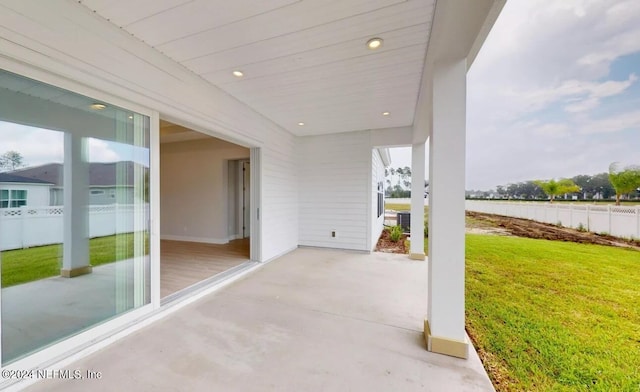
(484, 31)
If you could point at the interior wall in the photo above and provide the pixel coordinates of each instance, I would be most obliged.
(193, 190)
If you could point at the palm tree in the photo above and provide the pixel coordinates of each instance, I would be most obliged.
(555, 188)
(624, 180)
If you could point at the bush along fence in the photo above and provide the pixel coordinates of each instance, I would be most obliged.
(26, 227)
(619, 221)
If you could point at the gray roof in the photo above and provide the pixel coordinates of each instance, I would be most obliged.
(100, 174)
(6, 177)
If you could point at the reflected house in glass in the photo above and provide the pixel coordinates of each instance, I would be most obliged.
(109, 182)
(18, 191)
(48, 211)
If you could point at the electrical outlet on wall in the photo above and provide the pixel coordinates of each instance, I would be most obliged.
(333, 234)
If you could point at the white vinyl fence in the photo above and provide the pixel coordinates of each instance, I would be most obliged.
(620, 221)
(26, 226)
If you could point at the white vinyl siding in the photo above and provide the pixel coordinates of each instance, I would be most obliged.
(279, 211)
(334, 172)
(377, 176)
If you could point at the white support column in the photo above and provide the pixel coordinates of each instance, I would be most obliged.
(444, 327)
(75, 260)
(417, 201)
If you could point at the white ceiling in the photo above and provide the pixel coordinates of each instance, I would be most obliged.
(171, 133)
(32, 88)
(303, 60)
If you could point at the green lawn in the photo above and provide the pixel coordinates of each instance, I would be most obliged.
(554, 316)
(398, 207)
(26, 265)
(404, 207)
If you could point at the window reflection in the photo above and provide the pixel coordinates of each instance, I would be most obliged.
(74, 213)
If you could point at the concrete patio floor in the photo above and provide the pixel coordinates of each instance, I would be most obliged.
(313, 320)
(44, 311)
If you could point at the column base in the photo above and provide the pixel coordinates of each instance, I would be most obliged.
(417, 256)
(73, 272)
(450, 347)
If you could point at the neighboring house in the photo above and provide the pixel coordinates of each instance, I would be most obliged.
(18, 191)
(380, 159)
(109, 183)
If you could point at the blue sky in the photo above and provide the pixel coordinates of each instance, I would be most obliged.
(554, 92)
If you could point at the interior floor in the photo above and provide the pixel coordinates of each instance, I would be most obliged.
(183, 264)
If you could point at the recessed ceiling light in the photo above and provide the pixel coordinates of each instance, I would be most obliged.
(238, 74)
(374, 43)
(385, 113)
(130, 117)
(301, 123)
(98, 106)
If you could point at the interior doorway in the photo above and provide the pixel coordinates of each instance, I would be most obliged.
(246, 199)
(239, 202)
(204, 207)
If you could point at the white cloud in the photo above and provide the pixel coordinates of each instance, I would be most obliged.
(39, 146)
(613, 123)
(100, 151)
(586, 95)
(554, 130)
(610, 88)
(583, 106)
(616, 18)
(540, 91)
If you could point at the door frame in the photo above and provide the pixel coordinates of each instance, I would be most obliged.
(255, 203)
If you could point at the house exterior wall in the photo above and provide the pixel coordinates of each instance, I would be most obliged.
(127, 69)
(98, 195)
(37, 194)
(279, 213)
(377, 175)
(56, 197)
(193, 191)
(334, 173)
(104, 195)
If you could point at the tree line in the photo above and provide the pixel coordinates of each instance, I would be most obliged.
(398, 182)
(620, 182)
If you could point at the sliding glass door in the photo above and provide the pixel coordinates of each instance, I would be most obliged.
(74, 213)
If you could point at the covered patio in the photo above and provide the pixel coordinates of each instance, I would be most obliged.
(311, 89)
(43, 311)
(313, 320)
